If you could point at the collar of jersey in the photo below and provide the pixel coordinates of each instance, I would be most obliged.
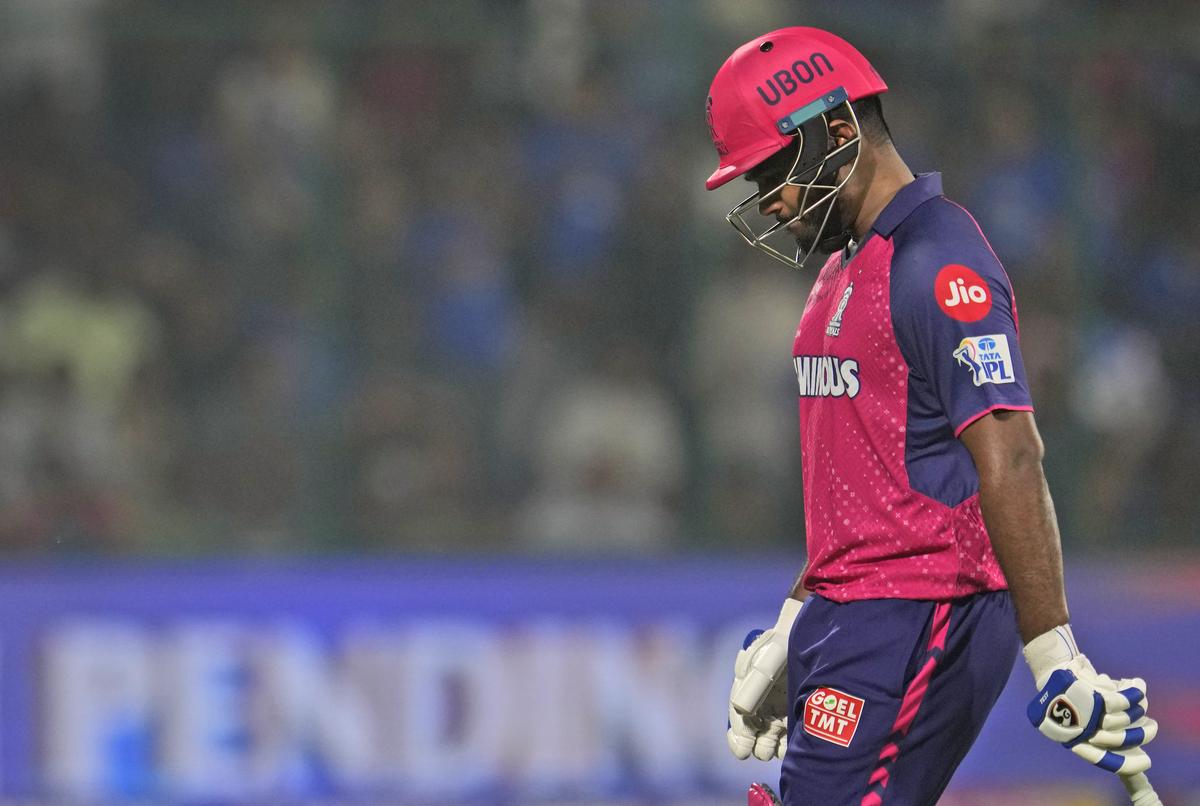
(907, 199)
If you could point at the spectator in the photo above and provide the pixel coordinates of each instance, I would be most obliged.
(284, 280)
(609, 462)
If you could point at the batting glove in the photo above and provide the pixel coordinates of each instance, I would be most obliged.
(758, 700)
(1101, 720)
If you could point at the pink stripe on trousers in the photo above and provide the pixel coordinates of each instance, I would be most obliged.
(910, 703)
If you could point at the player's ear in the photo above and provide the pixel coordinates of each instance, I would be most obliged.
(841, 130)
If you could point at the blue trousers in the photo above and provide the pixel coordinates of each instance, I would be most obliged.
(887, 696)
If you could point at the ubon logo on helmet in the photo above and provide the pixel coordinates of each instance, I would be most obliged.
(777, 90)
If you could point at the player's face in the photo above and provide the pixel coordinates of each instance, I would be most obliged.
(782, 201)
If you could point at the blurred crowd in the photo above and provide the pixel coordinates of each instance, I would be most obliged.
(327, 276)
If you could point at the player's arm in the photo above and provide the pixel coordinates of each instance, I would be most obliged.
(983, 392)
(1100, 719)
(1019, 516)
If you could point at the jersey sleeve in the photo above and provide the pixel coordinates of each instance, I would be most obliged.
(955, 318)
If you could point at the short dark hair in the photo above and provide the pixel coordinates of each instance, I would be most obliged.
(872, 126)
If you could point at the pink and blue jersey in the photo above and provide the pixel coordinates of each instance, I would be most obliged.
(899, 349)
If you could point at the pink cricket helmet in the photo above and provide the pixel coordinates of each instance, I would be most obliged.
(759, 95)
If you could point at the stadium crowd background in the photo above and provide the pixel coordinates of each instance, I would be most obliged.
(370, 276)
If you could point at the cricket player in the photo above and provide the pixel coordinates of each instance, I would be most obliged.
(932, 540)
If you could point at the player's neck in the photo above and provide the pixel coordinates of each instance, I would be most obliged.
(888, 175)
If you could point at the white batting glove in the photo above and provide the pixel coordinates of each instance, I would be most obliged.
(1101, 720)
(758, 700)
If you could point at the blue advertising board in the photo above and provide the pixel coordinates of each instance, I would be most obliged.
(490, 680)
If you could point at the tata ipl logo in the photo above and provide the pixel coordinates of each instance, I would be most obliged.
(987, 357)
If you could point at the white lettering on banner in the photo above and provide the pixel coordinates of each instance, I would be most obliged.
(549, 661)
(455, 689)
(287, 666)
(245, 712)
(205, 731)
(642, 682)
(97, 695)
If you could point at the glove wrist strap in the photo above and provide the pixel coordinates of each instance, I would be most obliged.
(787, 616)
(1050, 650)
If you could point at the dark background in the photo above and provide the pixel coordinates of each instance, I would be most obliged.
(373, 276)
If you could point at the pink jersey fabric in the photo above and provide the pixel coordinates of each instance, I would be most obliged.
(871, 535)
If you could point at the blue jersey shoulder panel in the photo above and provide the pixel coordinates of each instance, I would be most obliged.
(955, 322)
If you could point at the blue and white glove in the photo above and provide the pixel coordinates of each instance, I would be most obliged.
(758, 700)
(1101, 720)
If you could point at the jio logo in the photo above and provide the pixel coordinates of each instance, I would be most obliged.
(962, 294)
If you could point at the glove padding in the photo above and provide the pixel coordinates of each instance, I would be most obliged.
(758, 699)
(1101, 720)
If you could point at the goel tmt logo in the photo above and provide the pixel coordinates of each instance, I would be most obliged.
(832, 715)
